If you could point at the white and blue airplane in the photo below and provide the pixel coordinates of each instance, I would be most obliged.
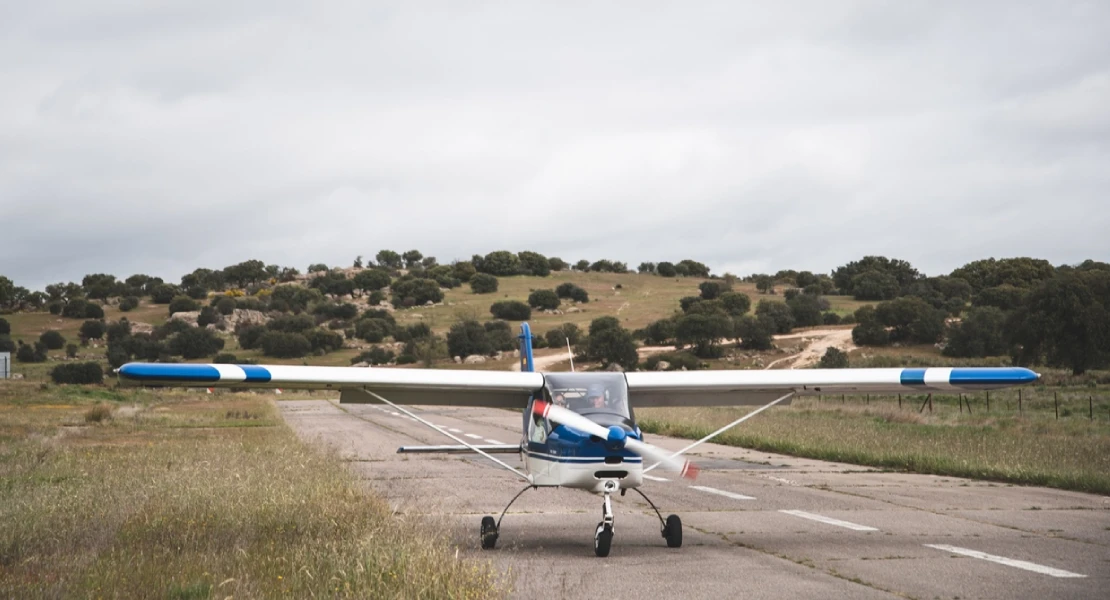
(578, 429)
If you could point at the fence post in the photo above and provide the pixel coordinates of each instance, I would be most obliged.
(1019, 402)
(1056, 404)
(988, 401)
(968, 402)
(961, 402)
(899, 400)
(929, 401)
(1091, 407)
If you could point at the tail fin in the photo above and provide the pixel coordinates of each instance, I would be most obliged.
(526, 364)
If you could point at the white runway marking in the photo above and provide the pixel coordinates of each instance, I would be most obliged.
(1002, 560)
(654, 478)
(396, 414)
(472, 436)
(493, 441)
(828, 520)
(732, 495)
(453, 430)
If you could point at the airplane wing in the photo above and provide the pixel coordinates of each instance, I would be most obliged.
(503, 389)
(730, 388)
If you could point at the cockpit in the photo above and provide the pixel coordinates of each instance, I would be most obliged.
(601, 397)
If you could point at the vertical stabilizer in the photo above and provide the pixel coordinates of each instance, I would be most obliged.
(526, 364)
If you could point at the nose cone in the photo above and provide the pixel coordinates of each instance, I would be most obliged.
(616, 438)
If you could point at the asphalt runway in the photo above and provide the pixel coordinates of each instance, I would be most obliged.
(755, 525)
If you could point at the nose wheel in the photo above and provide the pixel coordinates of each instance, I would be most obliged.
(603, 535)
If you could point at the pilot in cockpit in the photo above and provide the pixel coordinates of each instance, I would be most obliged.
(595, 396)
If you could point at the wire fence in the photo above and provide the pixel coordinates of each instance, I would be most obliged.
(1065, 403)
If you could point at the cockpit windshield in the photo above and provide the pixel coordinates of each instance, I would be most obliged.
(603, 397)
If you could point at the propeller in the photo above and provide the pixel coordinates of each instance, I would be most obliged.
(615, 437)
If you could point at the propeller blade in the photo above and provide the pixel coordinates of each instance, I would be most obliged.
(565, 416)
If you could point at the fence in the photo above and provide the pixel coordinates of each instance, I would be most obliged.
(5, 365)
(1087, 403)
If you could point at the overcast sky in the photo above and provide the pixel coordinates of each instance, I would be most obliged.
(752, 136)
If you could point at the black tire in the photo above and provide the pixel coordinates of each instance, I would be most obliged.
(489, 533)
(603, 540)
(672, 531)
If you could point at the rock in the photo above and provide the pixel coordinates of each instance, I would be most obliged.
(140, 327)
(682, 369)
(516, 353)
(429, 303)
(189, 317)
(458, 360)
(615, 367)
(361, 364)
(17, 375)
(498, 356)
(474, 359)
(573, 309)
(662, 365)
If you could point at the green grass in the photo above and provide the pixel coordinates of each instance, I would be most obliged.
(178, 495)
(1002, 445)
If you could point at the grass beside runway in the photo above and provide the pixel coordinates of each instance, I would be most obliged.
(1035, 449)
(136, 494)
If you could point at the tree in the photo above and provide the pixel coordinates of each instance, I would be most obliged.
(280, 344)
(317, 268)
(323, 341)
(101, 286)
(646, 267)
(869, 331)
(6, 344)
(93, 329)
(534, 263)
(713, 289)
(77, 373)
(75, 309)
(901, 271)
(1065, 322)
(369, 280)
(208, 316)
(500, 335)
(582, 265)
(463, 270)
(7, 292)
(765, 284)
(52, 339)
(246, 273)
(129, 303)
(573, 292)
(5, 327)
(183, 304)
(557, 264)
(661, 332)
(704, 332)
(164, 293)
(372, 330)
(875, 285)
(1025, 273)
(834, 358)
(755, 332)
(483, 283)
(500, 263)
(912, 319)
(388, 259)
(1005, 297)
(195, 342)
(71, 350)
(806, 310)
(610, 343)
(412, 258)
(666, 269)
(543, 300)
(409, 291)
(779, 313)
(511, 310)
(735, 303)
(467, 337)
(559, 336)
(694, 268)
(27, 353)
(978, 334)
(805, 278)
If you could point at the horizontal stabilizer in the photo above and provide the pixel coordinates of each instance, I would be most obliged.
(460, 449)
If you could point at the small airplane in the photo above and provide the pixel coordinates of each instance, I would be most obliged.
(578, 428)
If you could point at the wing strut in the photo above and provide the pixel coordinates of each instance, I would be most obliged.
(726, 427)
(448, 434)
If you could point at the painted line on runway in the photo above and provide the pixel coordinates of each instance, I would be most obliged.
(734, 496)
(472, 436)
(654, 478)
(493, 441)
(828, 520)
(1002, 560)
(396, 414)
(453, 430)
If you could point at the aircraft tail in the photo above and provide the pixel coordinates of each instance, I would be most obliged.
(526, 364)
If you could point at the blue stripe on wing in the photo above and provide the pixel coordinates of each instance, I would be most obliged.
(913, 377)
(177, 372)
(255, 374)
(991, 376)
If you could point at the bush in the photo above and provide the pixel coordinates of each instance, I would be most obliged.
(164, 293)
(833, 359)
(573, 292)
(372, 330)
(500, 336)
(5, 327)
(755, 333)
(677, 360)
(280, 344)
(98, 413)
(543, 300)
(779, 313)
(666, 269)
(291, 323)
(128, 304)
(195, 343)
(870, 333)
(324, 341)
(511, 310)
(93, 329)
(979, 334)
(806, 310)
(711, 290)
(71, 350)
(226, 358)
(374, 356)
(735, 303)
(6, 344)
(52, 339)
(704, 331)
(557, 337)
(611, 344)
(660, 333)
(830, 318)
(208, 316)
(468, 337)
(249, 335)
(483, 283)
(415, 292)
(183, 304)
(27, 353)
(75, 309)
(225, 305)
(77, 373)
(93, 311)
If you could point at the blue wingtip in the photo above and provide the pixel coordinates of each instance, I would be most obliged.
(993, 376)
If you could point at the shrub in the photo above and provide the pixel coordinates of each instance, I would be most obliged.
(713, 289)
(500, 336)
(611, 344)
(735, 303)
(666, 269)
(755, 332)
(779, 313)
(71, 350)
(806, 310)
(415, 292)
(833, 359)
(75, 309)
(5, 327)
(93, 329)
(183, 304)
(830, 318)
(128, 304)
(52, 339)
(870, 333)
(543, 300)
(374, 356)
(208, 316)
(225, 305)
(372, 330)
(704, 331)
(93, 311)
(659, 333)
(468, 337)
(249, 335)
(225, 358)
(557, 337)
(164, 293)
(324, 341)
(280, 344)
(77, 373)
(511, 310)
(31, 354)
(291, 323)
(677, 360)
(483, 283)
(6, 344)
(98, 413)
(978, 334)
(572, 291)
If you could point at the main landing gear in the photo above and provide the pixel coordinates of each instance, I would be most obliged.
(671, 527)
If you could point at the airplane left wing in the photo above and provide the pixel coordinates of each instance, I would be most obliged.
(503, 389)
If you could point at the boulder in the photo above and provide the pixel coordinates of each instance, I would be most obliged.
(474, 359)
(662, 365)
(615, 367)
(458, 360)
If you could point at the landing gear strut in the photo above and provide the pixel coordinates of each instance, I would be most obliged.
(492, 529)
(671, 526)
(603, 535)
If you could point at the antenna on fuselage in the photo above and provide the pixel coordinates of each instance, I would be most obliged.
(570, 353)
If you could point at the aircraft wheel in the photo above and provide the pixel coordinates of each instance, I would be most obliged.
(489, 533)
(603, 540)
(673, 531)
